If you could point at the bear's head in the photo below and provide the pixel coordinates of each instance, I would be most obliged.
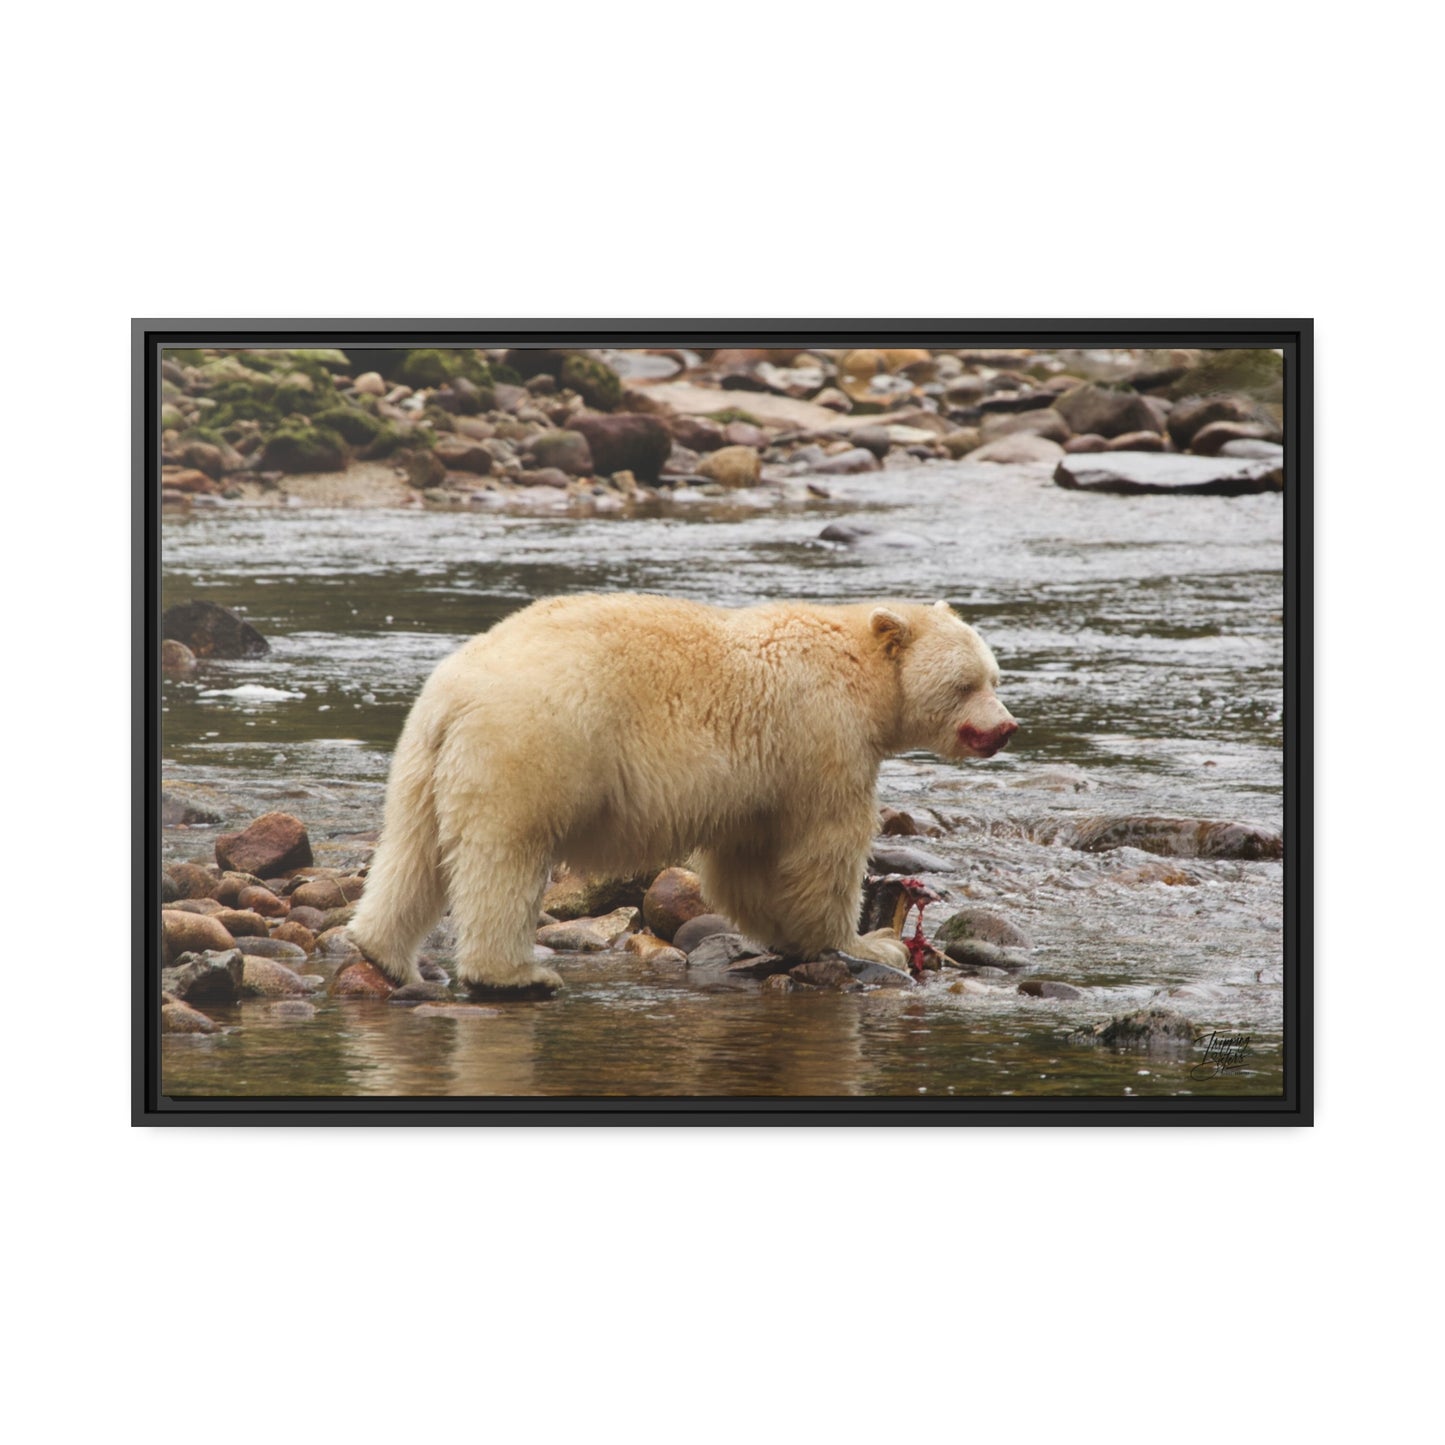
(947, 677)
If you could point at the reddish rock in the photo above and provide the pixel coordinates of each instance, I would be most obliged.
(199, 905)
(1090, 408)
(1089, 442)
(691, 933)
(181, 1018)
(192, 880)
(696, 432)
(360, 980)
(825, 973)
(265, 978)
(312, 918)
(336, 943)
(189, 481)
(322, 893)
(258, 899)
(191, 933)
(352, 886)
(675, 897)
(274, 843)
(299, 934)
(228, 890)
(1136, 441)
(242, 923)
(1208, 440)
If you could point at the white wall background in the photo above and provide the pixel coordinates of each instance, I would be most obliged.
(635, 160)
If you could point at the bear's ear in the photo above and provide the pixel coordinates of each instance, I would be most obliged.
(941, 606)
(889, 628)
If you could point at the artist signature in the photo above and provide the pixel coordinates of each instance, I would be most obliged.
(1222, 1052)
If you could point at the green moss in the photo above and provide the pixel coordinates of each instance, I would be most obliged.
(507, 374)
(172, 418)
(430, 366)
(354, 425)
(733, 413)
(1253, 372)
(184, 355)
(299, 448)
(594, 381)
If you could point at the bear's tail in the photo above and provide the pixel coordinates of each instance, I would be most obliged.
(405, 887)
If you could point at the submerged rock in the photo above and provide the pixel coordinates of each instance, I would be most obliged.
(265, 978)
(1140, 472)
(1048, 988)
(1151, 1029)
(180, 1018)
(361, 980)
(1179, 838)
(212, 631)
(981, 925)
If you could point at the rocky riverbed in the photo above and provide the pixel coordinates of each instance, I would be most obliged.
(617, 431)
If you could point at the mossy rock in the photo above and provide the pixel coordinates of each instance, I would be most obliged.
(391, 439)
(594, 381)
(353, 425)
(172, 418)
(735, 413)
(304, 449)
(184, 355)
(1256, 372)
(431, 366)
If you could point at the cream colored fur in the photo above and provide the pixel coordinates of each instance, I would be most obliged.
(614, 732)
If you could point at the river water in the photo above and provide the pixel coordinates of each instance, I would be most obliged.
(1141, 646)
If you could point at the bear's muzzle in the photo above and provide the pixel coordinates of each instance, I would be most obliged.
(985, 742)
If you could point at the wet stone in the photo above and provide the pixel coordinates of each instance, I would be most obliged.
(1048, 988)
(721, 949)
(274, 843)
(885, 859)
(674, 897)
(457, 1012)
(1150, 1029)
(180, 1018)
(981, 925)
(280, 949)
(265, 978)
(1139, 472)
(290, 1010)
(703, 926)
(242, 923)
(212, 631)
(191, 880)
(973, 954)
(205, 977)
(361, 980)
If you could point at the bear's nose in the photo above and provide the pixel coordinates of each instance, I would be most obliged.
(1006, 732)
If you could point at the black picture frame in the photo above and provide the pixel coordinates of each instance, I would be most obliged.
(1294, 337)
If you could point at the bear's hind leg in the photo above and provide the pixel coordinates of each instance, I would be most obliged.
(496, 892)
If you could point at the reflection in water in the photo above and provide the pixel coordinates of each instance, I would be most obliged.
(1141, 646)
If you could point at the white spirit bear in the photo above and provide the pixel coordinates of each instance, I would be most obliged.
(618, 732)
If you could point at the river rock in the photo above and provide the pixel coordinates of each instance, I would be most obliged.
(369, 383)
(697, 433)
(1210, 440)
(981, 925)
(360, 980)
(281, 949)
(1161, 1030)
(1089, 442)
(1190, 417)
(674, 897)
(208, 906)
(214, 977)
(230, 885)
(976, 956)
(585, 895)
(1254, 451)
(457, 454)
(336, 943)
(295, 933)
(651, 949)
(1135, 472)
(858, 535)
(745, 434)
(732, 467)
(780, 982)
(310, 918)
(691, 933)
(274, 843)
(266, 978)
(826, 973)
(848, 463)
(1046, 422)
(191, 933)
(257, 898)
(875, 439)
(886, 859)
(1048, 988)
(627, 441)
(192, 880)
(176, 658)
(588, 935)
(242, 922)
(456, 1012)
(961, 441)
(1091, 408)
(212, 631)
(1178, 838)
(1018, 450)
(181, 1018)
(1136, 441)
(322, 893)
(719, 950)
(565, 450)
(289, 1010)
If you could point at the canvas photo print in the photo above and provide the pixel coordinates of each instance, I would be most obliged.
(871, 721)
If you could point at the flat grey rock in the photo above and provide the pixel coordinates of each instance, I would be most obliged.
(1167, 472)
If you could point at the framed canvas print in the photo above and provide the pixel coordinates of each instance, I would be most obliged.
(820, 722)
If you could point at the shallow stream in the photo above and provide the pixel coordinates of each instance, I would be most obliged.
(1141, 644)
